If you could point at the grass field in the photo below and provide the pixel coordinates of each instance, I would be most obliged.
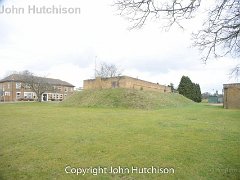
(126, 98)
(39, 140)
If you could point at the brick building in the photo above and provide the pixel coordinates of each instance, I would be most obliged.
(231, 96)
(12, 89)
(124, 82)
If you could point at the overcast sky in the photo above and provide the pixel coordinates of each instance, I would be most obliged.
(66, 46)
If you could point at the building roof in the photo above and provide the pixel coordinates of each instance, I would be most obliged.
(231, 85)
(19, 77)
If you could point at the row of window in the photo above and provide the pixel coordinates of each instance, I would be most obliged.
(8, 86)
(55, 96)
(32, 95)
(3, 86)
(7, 93)
(59, 88)
(18, 94)
(26, 95)
(19, 86)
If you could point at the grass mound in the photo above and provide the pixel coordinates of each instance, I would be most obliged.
(125, 98)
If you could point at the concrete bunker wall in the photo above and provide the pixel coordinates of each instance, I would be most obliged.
(124, 82)
(232, 96)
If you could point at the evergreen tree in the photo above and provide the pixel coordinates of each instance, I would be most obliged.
(189, 89)
(199, 94)
(185, 87)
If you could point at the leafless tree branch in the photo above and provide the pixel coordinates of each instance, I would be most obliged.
(139, 11)
(235, 72)
(37, 84)
(219, 36)
(220, 33)
(108, 70)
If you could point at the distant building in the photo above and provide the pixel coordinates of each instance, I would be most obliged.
(231, 96)
(212, 99)
(215, 99)
(124, 82)
(11, 89)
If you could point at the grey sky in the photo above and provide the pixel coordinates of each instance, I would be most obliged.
(66, 46)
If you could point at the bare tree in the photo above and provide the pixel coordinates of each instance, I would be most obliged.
(235, 72)
(107, 70)
(39, 85)
(221, 31)
(170, 12)
(219, 35)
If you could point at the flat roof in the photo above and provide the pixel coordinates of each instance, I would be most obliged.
(231, 85)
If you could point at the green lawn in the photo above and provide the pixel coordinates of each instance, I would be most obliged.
(39, 140)
(125, 98)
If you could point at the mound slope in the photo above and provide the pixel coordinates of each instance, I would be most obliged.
(125, 98)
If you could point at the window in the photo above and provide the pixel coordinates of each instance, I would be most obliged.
(59, 88)
(8, 86)
(7, 93)
(18, 95)
(66, 89)
(18, 85)
(27, 86)
(28, 95)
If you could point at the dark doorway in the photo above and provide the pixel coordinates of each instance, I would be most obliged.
(44, 97)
